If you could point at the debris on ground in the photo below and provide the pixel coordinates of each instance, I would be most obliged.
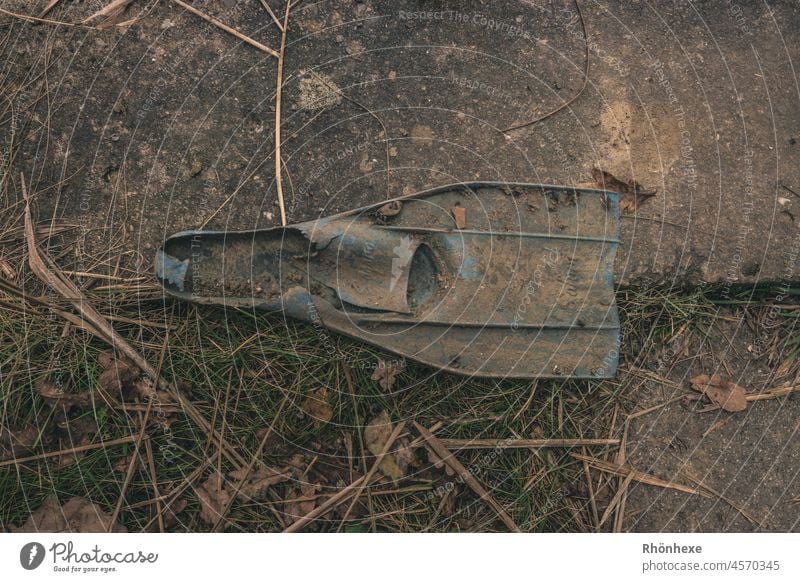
(119, 376)
(302, 502)
(387, 371)
(317, 91)
(460, 216)
(390, 209)
(16, 443)
(78, 515)
(121, 466)
(631, 193)
(258, 482)
(728, 395)
(216, 493)
(422, 135)
(395, 463)
(55, 396)
(214, 498)
(170, 513)
(316, 406)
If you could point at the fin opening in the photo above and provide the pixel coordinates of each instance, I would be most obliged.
(423, 277)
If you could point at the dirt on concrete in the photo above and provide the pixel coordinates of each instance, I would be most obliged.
(164, 123)
(156, 125)
(747, 462)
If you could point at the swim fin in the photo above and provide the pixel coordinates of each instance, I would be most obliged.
(490, 279)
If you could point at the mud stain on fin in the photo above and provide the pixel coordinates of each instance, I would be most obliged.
(171, 270)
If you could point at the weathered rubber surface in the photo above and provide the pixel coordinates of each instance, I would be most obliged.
(489, 279)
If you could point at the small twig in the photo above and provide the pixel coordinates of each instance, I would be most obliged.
(92, 321)
(574, 97)
(175, 493)
(79, 449)
(525, 443)
(640, 476)
(616, 500)
(770, 394)
(718, 424)
(531, 396)
(275, 19)
(219, 24)
(112, 9)
(378, 460)
(778, 392)
(621, 496)
(325, 506)
(278, 94)
(348, 376)
(447, 457)
(592, 500)
(45, 11)
(789, 190)
(249, 469)
(148, 449)
(131, 466)
(45, 20)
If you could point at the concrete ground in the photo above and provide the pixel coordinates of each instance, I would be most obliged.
(167, 124)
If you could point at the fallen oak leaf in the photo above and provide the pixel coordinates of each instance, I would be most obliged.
(54, 396)
(434, 460)
(631, 193)
(122, 464)
(300, 504)
(728, 395)
(386, 372)
(258, 482)
(171, 512)
(213, 497)
(390, 209)
(74, 432)
(19, 443)
(119, 376)
(376, 434)
(78, 515)
(317, 407)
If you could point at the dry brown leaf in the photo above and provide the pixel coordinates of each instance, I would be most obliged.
(447, 505)
(460, 216)
(171, 512)
(214, 498)
(300, 503)
(403, 454)
(121, 466)
(18, 443)
(110, 14)
(118, 377)
(728, 395)
(389, 209)
(631, 193)
(386, 373)
(74, 432)
(437, 462)
(376, 434)
(53, 395)
(258, 482)
(317, 407)
(78, 515)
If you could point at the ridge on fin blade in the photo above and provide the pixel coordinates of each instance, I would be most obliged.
(490, 279)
